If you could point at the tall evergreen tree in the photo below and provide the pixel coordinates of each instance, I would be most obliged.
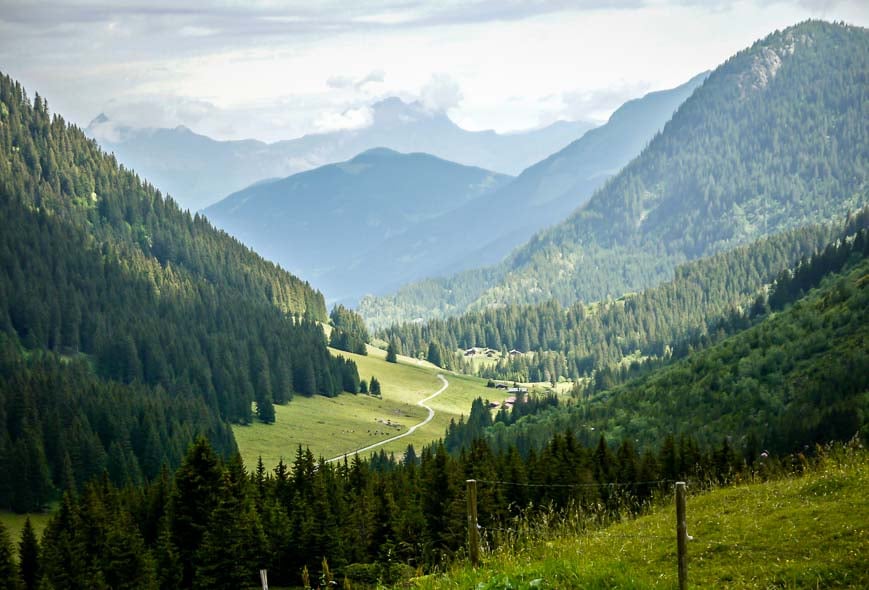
(8, 571)
(28, 557)
(223, 558)
(198, 483)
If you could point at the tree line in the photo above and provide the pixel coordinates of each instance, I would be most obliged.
(211, 524)
(704, 297)
(790, 379)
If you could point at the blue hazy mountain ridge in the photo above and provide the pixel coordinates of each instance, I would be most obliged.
(465, 232)
(198, 170)
(542, 195)
(550, 190)
(324, 222)
(774, 138)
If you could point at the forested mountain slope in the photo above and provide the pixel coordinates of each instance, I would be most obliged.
(795, 378)
(106, 286)
(776, 137)
(356, 227)
(706, 297)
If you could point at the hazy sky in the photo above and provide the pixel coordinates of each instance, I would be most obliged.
(273, 69)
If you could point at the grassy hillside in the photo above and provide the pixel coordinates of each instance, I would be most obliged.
(799, 532)
(333, 426)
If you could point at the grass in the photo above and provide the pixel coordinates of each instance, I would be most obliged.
(15, 522)
(800, 532)
(332, 426)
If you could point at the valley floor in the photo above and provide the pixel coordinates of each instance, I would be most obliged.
(332, 427)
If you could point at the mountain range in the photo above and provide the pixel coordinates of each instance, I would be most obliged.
(197, 171)
(384, 219)
(336, 220)
(773, 139)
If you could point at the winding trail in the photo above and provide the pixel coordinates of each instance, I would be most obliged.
(421, 403)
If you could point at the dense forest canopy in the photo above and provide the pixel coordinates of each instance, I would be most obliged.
(791, 379)
(706, 296)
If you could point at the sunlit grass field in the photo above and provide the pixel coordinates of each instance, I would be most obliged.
(334, 426)
(15, 522)
(798, 532)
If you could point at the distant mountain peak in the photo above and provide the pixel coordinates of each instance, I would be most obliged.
(393, 111)
(100, 119)
(377, 151)
(104, 129)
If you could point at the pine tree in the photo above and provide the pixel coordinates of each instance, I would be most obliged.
(391, 352)
(125, 562)
(167, 561)
(8, 575)
(374, 387)
(64, 554)
(434, 354)
(28, 557)
(220, 559)
(196, 494)
(265, 409)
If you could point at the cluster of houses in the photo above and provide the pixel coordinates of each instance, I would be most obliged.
(518, 394)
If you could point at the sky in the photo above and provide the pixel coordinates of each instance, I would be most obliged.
(272, 70)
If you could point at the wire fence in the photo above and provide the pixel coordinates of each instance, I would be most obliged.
(611, 484)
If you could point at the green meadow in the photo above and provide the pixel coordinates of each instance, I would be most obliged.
(15, 522)
(335, 426)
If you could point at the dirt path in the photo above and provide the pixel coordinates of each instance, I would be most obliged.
(421, 403)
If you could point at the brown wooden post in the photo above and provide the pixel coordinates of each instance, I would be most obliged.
(681, 535)
(473, 531)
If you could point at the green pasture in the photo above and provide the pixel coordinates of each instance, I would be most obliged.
(334, 426)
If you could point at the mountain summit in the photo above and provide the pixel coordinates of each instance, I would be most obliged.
(331, 224)
(198, 170)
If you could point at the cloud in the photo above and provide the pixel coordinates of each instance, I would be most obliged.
(322, 15)
(354, 118)
(105, 130)
(157, 111)
(440, 94)
(374, 76)
(587, 105)
(341, 82)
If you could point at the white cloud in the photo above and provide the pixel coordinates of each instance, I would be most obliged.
(597, 104)
(160, 111)
(275, 70)
(441, 93)
(357, 118)
(341, 81)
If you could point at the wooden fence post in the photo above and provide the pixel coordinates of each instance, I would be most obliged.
(681, 535)
(473, 531)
